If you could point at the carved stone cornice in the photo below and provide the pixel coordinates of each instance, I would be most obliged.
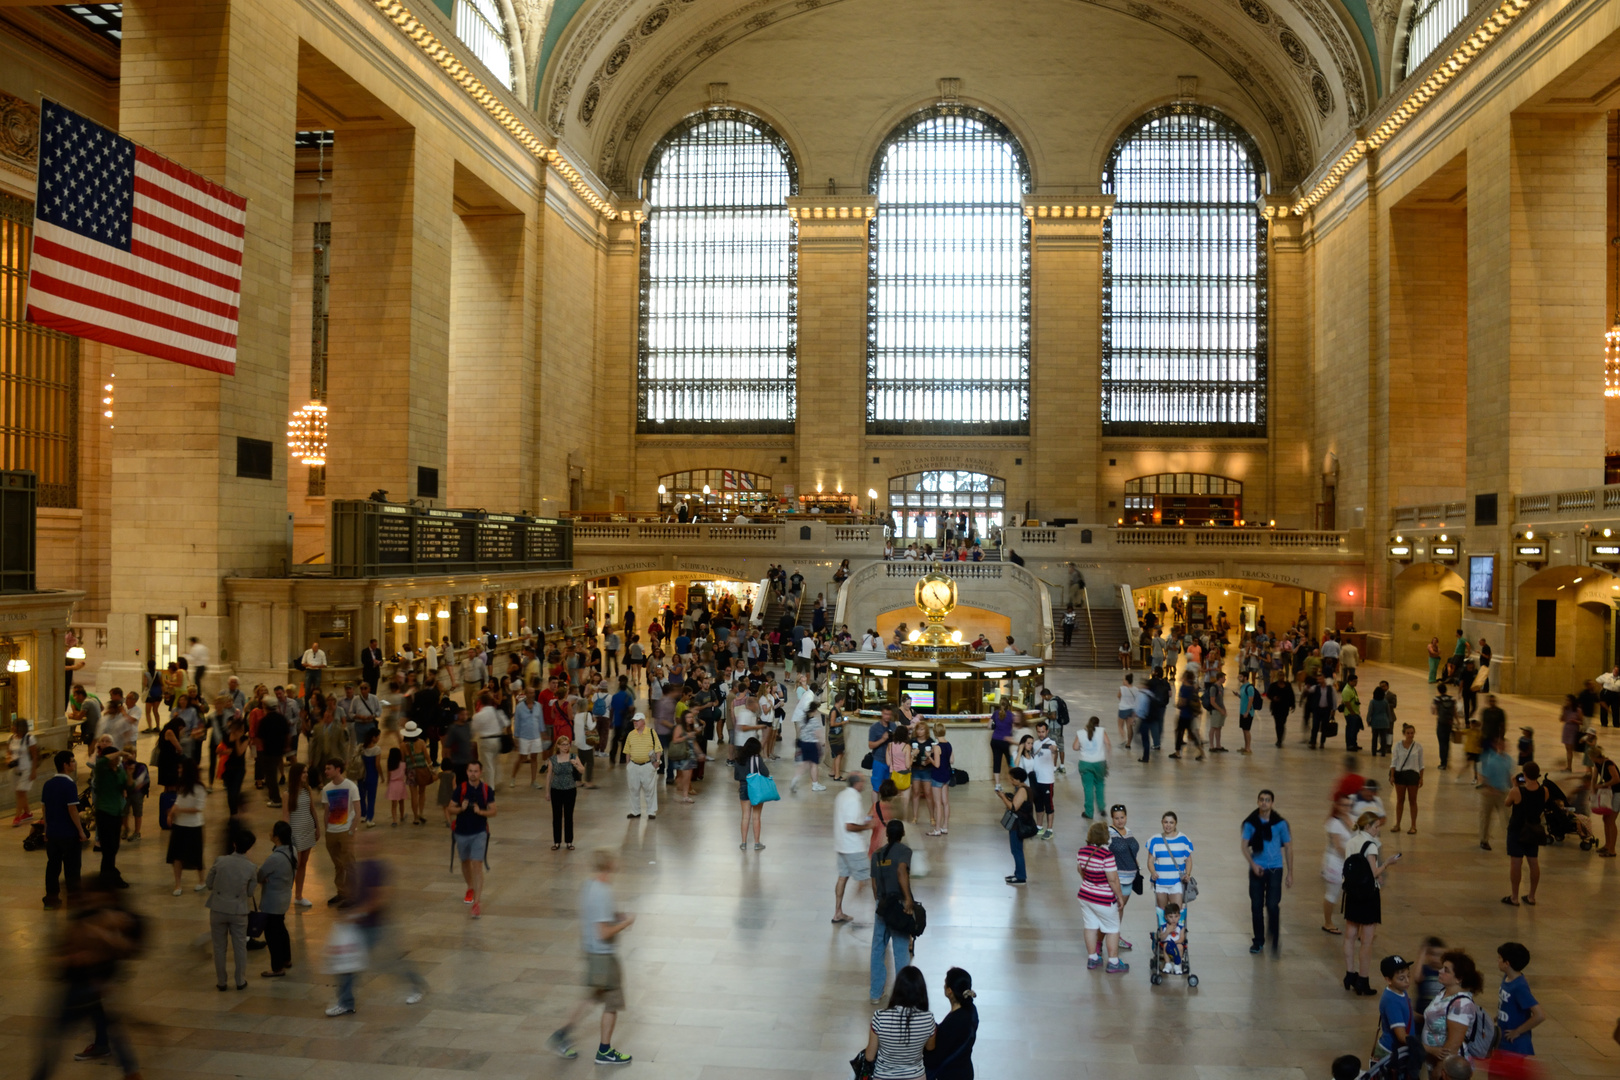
(832, 224)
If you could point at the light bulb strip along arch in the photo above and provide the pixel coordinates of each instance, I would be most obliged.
(1446, 69)
(436, 50)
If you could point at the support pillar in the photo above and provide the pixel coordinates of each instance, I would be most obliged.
(831, 432)
(212, 84)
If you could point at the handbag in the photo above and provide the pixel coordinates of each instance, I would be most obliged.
(1189, 888)
(910, 924)
(762, 789)
(508, 744)
(1137, 884)
(421, 776)
(861, 1067)
(866, 763)
(902, 781)
(255, 920)
(345, 951)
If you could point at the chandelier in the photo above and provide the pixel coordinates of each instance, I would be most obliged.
(1611, 361)
(306, 434)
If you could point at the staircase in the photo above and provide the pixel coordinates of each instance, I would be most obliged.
(1110, 625)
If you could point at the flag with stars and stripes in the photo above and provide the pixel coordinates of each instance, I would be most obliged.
(132, 250)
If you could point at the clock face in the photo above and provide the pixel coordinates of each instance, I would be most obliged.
(937, 594)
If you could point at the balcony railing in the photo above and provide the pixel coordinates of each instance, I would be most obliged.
(1429, 515)
(1583, 502)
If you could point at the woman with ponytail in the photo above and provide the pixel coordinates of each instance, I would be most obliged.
(952, 1055)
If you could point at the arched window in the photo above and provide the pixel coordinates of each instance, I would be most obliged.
(1184, 279)
(718, 279)
(948, 279)
(1431, 22)
(735, 489)
(480, 27)
(921, 502)
(1195, 499)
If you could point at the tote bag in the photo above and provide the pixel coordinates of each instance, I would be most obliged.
(345, 950)
(762, 789)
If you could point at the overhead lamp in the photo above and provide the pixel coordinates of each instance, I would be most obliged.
(480, 607)
(306, 434)
(1529, 534)
(1577, 581)
(421, 616)
(1442, 538)
(914, 636)
(1607, 532)
(956, 637)
(662, 490)
(17, 665)
(511, 605)
(705, 489)
(871, 493)
(76, 653)
(443, 613)
(1400, 539)
(400, 619)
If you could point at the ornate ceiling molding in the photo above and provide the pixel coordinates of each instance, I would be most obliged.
(577, 93)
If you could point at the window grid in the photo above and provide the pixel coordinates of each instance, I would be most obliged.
(919, 502)
(719, 280)
(105, 19)
(948, 279)
(1184, 279)
(479, 26)
(39, 374)
(1431, 23)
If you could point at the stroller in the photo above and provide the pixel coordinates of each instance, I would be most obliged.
(1168, 962)
(1562, 821)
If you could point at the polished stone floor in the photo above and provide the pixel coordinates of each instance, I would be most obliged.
(734, 971)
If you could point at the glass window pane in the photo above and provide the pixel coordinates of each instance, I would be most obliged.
(948, 307)
(719, 280)
(1432, 22)
(1184, 278)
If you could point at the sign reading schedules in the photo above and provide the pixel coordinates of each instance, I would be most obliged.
(372, 539)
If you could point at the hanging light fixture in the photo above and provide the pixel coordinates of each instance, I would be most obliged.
(422, 616)
(1611, 340)
(76, 652)
(306, 434)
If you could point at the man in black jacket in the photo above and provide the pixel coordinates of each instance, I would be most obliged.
(1158, 689)
(1280, 695)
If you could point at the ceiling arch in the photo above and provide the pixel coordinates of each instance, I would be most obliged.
(1304, 66)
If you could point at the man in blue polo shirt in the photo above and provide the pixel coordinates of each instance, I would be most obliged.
(1268, 849)
(619, 709)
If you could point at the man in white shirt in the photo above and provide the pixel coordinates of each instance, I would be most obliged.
(1043, 777)
(807, 654)
(197, 658)
(487, 725)
(851, 823)
(473, 672)
(340, 805)
(430, 662)
(314, 661)
(871, 642)
(365, 713)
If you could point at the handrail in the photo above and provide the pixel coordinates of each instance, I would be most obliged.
(1091, 628)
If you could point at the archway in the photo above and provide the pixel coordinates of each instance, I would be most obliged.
(921, 503)
(1565, 614)
(1199, 603)
(1428, 604)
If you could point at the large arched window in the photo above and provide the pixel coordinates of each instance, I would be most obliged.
(948, 293)
(1184, 279)
(921, 502)
(1431, 22)
(718, 279)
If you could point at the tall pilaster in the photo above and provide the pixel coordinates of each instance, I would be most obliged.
(211, 84)
(1290, 470)
(389, 329)
(1066, 353)
(831, 428)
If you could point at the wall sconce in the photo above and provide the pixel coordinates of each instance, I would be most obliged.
(399, 619)
(15, 663)
(511, 605)
(443, 613)
(422, 616)
(481, 608)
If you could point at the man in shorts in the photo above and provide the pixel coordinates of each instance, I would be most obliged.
(852, 822)
(600, 925)
(472, 804)
(528, 730)
(1056, 712)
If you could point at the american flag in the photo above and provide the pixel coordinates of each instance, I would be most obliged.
(132, 250)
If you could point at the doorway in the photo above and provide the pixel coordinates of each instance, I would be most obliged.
(163, 639)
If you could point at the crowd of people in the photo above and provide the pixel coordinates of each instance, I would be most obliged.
(461, 723)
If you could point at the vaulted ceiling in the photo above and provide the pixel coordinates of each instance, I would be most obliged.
(613, 75)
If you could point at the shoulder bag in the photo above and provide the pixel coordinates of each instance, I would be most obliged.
(761, 789)
(1189, 887)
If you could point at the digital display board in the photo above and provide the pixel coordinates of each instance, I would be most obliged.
(1482, 582)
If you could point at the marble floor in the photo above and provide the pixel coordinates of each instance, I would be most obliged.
(734, 971)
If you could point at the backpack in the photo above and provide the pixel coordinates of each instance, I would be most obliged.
(1204, 699)
(1483, 1036)
(1062, 710)
(1445, 707)
(1358, 872)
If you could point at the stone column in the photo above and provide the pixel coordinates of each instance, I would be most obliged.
(1065, 373)
(1290, 474)
(831, 429)
(388, 377)
(212, 84)
(613, 421)
(1537, 218)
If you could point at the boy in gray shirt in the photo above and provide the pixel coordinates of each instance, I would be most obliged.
(600, 924)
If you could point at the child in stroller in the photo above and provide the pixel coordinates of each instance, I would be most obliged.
(1170, 953)
(1563, 816)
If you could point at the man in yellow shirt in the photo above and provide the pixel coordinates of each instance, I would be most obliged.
(643, 751)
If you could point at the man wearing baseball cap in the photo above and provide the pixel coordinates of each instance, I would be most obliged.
(643, 749)
(1395, 1053)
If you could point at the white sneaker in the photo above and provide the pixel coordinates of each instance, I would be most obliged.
(300, 902)
(337, 1010)
(818, 787)
(413, 997)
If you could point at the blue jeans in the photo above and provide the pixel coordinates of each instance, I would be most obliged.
(881, 936)
(880, 769)
(1016, 842)
(399, 965)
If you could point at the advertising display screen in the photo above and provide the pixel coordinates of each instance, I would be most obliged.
(1482, 581)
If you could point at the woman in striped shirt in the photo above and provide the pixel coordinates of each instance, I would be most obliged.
(1101, 899)
(1170, 854)
(903, 1031)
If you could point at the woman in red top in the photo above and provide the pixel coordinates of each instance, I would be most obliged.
(1100, 899)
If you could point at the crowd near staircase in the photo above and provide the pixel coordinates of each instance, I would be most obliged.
(1109, 624)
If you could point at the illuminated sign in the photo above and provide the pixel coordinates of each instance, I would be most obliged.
(1400, 551)
(1610, 550)
(1529, 551)
(1449, 550)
